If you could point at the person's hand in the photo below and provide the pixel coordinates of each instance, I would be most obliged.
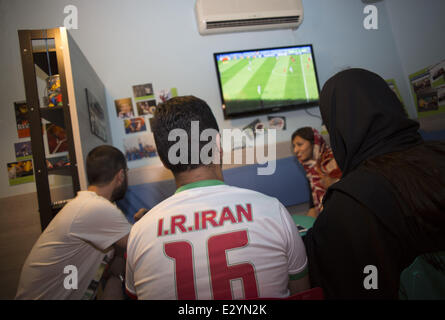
(138, 215)
(327, 181)
(313, 212)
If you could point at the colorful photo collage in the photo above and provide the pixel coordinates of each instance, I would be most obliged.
(139, 142)
(21, 170)
(56, 144)
(428, 87)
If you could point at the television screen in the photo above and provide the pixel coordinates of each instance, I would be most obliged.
(266, 80)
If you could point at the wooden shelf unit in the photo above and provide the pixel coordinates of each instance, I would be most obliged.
(62, 57)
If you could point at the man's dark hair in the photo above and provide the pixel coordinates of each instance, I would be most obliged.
(306, 133)
(178, 113)
(103, 163)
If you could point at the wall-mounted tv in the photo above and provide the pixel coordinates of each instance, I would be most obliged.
(267, 80)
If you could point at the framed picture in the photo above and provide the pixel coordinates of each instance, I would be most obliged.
(98, 122)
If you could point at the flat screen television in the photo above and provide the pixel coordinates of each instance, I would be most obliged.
(267, 80)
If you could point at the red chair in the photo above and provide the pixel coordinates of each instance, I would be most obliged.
(311, 294)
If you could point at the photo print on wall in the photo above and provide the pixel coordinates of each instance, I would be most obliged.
(140, 147)
(277, 122)
(20, 172)
(165, 94)
(23, 150)
(146, 107)
(143, 92)
(428, 88)
(124, 108)
(134, 125)
(21, 117)
(253, 128)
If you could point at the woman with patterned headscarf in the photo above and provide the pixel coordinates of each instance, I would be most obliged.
(319, 164)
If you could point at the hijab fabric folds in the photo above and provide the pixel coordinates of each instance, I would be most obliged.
(322, 164)
(364, 118)
(367, 217)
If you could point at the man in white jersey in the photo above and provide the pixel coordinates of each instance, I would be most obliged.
(210, 240)
(65, 260)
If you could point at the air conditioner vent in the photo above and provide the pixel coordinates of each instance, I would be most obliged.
(251, 22)
(222, 16)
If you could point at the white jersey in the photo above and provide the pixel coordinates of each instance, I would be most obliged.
(212, 241)
(77, 236)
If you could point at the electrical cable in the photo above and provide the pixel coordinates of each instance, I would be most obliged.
(311, 114)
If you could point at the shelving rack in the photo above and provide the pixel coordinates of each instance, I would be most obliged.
(63, 57)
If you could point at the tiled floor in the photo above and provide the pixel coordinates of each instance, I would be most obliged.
(19, 230)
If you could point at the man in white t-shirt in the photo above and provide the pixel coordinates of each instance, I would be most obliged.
(210, 240)
(66, 260)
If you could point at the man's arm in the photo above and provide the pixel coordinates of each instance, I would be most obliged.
(120, 246)
(297, 259)
(138, 215)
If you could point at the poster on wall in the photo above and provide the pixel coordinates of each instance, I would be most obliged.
(427, 86)
(21, 116)
(134, 125)
(143, 91)
(23, 150)
(146, 107)
(20, 172)
(124, 108)
(140, 147)
(98, 123)
(56, 138)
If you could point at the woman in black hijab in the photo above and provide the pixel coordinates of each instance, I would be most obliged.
(389, 206)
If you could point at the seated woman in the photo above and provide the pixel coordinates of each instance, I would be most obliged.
(389, 206)
(318, 161)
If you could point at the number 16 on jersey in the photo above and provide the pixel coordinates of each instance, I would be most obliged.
(220, 272)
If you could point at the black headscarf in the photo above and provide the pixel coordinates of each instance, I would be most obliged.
(364, 118)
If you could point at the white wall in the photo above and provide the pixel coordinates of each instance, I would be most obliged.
(418, 29)
(138, 41)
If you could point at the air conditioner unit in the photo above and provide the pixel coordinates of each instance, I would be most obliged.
(218, 16)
